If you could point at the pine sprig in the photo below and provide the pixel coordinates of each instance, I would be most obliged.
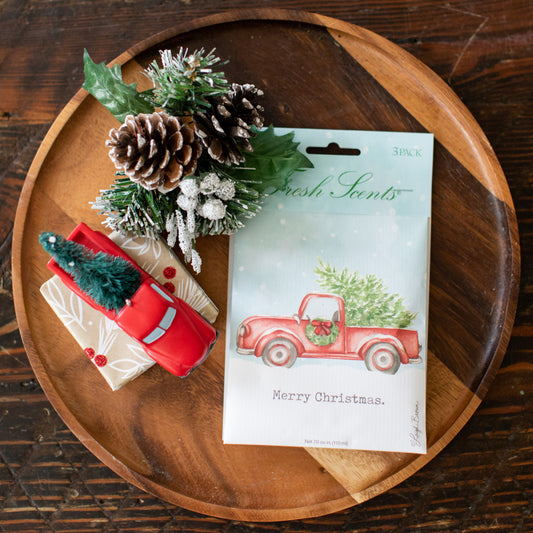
(185, 81)
(366, 299)
(245, 204)
(130, 208)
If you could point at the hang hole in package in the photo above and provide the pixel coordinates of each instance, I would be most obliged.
(328, 300)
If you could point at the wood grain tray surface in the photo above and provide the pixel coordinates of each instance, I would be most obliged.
(163, 434)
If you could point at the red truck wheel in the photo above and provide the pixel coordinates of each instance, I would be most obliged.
(279, 352)
(383, 357)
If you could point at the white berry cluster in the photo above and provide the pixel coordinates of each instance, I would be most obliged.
(204, 198)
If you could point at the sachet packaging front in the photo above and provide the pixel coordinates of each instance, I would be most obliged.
(328, 300)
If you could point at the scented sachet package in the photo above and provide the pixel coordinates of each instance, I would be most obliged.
(328, 299)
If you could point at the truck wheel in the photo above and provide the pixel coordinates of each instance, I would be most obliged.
(383, 357)
(279, 352)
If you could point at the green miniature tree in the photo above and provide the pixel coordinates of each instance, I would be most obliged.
(366, 300)
(107, 279)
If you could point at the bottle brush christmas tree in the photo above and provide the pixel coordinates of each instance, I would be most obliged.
(110, 281)
(366, 300)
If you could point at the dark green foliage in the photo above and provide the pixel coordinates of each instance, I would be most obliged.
(366, 299)
(107, 279)
(129, 207)
(273, 159)
(106, 85)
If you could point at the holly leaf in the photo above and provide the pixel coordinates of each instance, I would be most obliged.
(106, 85)
(273, 160)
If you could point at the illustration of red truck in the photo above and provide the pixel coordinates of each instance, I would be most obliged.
(318, 330)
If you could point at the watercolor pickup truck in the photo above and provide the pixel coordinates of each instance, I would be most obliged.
(318, 330)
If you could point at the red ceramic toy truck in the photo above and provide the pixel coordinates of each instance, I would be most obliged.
(318, 330)
(171, 332)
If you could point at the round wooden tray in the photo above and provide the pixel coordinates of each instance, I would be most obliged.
(163, 434)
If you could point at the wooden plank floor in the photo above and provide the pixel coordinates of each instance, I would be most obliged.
(482, 481)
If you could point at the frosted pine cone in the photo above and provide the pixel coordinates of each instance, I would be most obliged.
(225, 128)
(155, 150)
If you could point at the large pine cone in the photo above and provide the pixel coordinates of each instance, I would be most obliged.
(155, 150)
(225, 128)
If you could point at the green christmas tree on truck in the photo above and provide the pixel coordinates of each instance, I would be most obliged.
(109, 280)
(367, 302)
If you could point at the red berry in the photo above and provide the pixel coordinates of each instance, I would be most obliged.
(169, 272)
(169, 286)
(100, 360)
(89, 352)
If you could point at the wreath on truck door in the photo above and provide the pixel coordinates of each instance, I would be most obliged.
(322, 332)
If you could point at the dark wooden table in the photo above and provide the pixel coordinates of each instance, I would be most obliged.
(481, 482)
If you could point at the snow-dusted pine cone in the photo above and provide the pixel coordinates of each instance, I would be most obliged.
(225, 128)
(155, 150)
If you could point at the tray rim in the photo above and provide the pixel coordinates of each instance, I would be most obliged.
(263, 515)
